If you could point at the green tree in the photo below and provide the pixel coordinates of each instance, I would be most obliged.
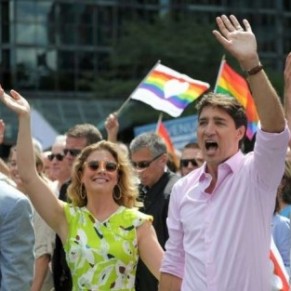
(185, 46)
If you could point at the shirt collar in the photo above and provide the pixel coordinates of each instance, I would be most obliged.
(232, 164)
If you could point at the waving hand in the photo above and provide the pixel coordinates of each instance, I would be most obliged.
(15, 102)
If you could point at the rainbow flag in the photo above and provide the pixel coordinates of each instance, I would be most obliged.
(164, 134)
(169, 91)
(229, 82)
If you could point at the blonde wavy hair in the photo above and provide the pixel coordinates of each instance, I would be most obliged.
(126, 186)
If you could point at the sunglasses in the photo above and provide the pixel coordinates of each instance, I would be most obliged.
(145, 164)
(59, 157)
(108, 166)
(73, 152)
(185, 162)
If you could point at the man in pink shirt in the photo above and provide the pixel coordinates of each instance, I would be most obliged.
(220, 215)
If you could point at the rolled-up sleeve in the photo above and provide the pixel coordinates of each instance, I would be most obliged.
(269, 155)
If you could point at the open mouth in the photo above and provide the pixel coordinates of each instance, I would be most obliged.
(211, 145)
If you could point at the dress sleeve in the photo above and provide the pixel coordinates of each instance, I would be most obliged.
(134, 218)
(141, 218)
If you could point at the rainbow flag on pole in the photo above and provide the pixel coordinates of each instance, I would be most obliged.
(229, 82)
(169, 91)
(164, 134)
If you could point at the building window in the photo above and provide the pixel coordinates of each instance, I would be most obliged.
(26, 75)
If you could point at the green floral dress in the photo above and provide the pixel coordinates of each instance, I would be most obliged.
(103, 255)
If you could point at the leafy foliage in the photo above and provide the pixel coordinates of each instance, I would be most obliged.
(185, 46)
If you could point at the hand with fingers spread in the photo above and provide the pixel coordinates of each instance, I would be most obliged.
(15, 102)
(237, 40)
(240, 41)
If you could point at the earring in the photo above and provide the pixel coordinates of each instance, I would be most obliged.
(82, 192)
(117, 192)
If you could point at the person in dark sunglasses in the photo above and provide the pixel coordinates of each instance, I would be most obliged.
(107, 165)
(72, 152)
(101, 226)
(149, 158)
(191, 158)
(78, 137)
(60, 171)
(59, 157)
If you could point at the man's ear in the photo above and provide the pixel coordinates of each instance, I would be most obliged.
(164, 158)
(241, 131)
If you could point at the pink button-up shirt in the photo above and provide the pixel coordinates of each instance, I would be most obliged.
(220, 241)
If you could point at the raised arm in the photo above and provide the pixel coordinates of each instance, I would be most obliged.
(112, 127)
(3, 166)
(241, 43)
(44, 201)
(287, 91)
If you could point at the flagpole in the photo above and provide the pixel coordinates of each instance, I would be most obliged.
(219, 72)
(128, 99)
(159, 121)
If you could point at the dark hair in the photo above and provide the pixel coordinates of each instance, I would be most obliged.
(87, 131)
(227, 103)
(230, 105)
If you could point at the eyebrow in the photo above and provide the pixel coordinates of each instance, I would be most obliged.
(219, 119)
(214, 118)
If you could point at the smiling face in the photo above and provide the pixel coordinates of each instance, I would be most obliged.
(217, 135)
(100, 179)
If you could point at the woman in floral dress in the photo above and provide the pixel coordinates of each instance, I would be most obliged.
(102, 231)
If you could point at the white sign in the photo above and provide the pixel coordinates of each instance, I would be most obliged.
(42, 130)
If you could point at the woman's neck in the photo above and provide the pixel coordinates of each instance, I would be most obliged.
(102, 207)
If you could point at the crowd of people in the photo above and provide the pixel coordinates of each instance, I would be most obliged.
(96, 214)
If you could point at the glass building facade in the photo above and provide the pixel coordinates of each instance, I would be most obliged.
(59, 47)
(54, 49)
